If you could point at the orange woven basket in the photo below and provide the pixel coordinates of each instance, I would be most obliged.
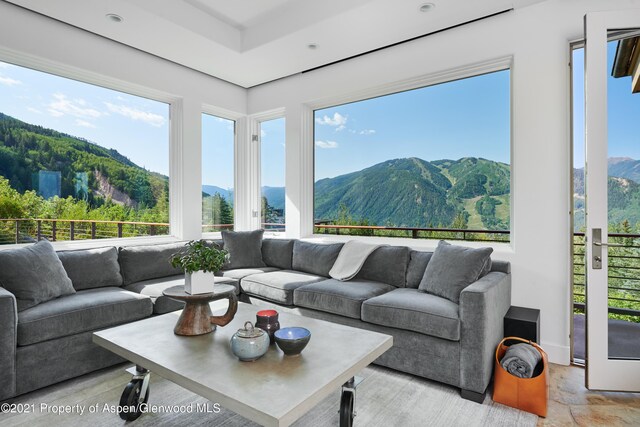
(526, 394)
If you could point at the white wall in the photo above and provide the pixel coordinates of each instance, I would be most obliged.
(32, 40)
(537, 37)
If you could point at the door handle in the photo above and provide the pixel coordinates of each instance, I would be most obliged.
(596, 248)
(613, 245)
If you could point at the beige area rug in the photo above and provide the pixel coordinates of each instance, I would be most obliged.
(385, 398)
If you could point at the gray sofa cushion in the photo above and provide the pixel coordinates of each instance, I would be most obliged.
(334, 296)
(315, 258)
(139, 263)
(244, 247)
(452, 268)
(34, 274)
(92, 268)
(86, 310)
(387, 264)
(153, 288)
(417, 265)
(277, 286)
(240, 273)
(416, 311)
(278, 253)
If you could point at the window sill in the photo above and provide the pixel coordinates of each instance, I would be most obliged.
(101, 243)
(499, 248)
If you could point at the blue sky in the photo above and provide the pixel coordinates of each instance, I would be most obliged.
(137, 127)
(463, 118)
(623, 111)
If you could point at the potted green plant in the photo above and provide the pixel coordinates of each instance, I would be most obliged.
(199, 261)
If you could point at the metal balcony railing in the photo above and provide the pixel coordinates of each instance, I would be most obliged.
(24, 230)
(623, 275)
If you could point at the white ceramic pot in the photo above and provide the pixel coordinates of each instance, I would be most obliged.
(198, 282)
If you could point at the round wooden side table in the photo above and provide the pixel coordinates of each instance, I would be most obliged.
(196, 317)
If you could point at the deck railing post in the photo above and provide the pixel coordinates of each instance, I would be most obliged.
(54, 227)
(93, 229)
(414, 234)
(152, 230)
(39, 235)
(72, 230)
(17, 231)
(119, 230)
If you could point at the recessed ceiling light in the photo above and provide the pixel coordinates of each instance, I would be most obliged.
(312, 46)
(426, 7)
(114, 18)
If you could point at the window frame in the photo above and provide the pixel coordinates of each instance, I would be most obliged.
(308, 137)
(239, 136)
(174, 152)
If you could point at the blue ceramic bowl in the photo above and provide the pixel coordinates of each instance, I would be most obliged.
(292, 340)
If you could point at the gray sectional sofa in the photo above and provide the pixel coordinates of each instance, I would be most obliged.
(434, 337)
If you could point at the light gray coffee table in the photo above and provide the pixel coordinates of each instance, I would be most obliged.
(275, 390)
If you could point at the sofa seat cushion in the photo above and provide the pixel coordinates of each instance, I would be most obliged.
(277, 286)
(241, 273)
(416, 311)
(86, 310)
(153, 288)
(334, 296)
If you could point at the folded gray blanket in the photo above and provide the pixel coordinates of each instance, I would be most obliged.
(520, 360)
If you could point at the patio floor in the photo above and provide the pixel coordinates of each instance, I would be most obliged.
(624, 338)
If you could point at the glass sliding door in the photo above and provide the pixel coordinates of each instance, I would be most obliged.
(612, 200)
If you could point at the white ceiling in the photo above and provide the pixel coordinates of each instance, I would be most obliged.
(249, 42)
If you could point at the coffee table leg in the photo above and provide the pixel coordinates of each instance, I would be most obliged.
(135, 394)
(348, 401)
(228, 316)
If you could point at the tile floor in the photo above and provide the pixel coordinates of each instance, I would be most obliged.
(571, 404)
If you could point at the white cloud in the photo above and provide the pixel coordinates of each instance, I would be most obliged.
(55, 113)
(62, 105)
(34, 110)
(326, 144)
(367, 132)
(135, 114)
(262, 134)
(337, 120)
(84, 124)
(8, 81)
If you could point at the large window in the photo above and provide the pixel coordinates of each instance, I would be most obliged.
(272, 167)
(79, 161)
(218, 141)
(426, 163)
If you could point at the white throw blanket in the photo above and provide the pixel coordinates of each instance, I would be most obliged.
(351, 259)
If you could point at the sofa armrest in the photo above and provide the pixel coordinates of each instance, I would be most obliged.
(8, 337)
(483, 306)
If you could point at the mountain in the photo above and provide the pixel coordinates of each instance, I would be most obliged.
(412, 192)
(212, 189)
(624, 167)
(623, 193)
(36, 158)
(275, 196)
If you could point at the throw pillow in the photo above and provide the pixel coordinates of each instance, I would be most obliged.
(34, 274)
(244, 247)
(452, 268)
(92, 268)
